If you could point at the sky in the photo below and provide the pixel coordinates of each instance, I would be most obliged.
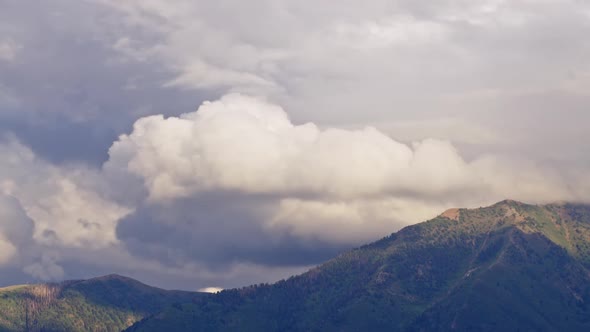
(220, 143)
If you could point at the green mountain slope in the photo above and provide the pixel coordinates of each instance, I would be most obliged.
(507, 267)
(110, 303)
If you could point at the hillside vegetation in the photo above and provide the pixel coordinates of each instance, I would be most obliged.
(110, 303)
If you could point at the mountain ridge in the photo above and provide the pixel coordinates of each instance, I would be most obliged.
(507, 266)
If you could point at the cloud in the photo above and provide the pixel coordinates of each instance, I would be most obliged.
(8, 50)
(237, 142)
(237, 184)
(64, 222)
(61, 201)
(18, 249)
(45, 210)
(249, 145)
(59, 105)
(237, 181)
(383, 63)
(7, 249)
(16, 229)
(404, 58)
(46, 269)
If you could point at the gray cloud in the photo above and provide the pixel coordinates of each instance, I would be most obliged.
(68, 93)
(21, 257)
(16, 230)
(218, 230)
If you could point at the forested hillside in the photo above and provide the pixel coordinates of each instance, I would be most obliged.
(110, 303)
(507, 267)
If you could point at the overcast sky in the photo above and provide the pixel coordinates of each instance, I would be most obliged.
(218, 143)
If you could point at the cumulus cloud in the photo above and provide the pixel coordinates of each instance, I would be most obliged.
(62, 201)
(45, 209)
(237, 181)
(64, 222)
(249, 145)
(237, 142)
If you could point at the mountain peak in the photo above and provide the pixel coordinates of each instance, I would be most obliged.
(510, 202)
(510, 206)
(113, 276)
(452, 214)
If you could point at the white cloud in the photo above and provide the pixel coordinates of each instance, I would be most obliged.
(8, 50)
(249, 145)
(7, 250)
(338, 185)
(16, 229)
(352, 221)
(59, 200)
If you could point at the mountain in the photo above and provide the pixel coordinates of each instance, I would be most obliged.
(507, 267)
(109, 303)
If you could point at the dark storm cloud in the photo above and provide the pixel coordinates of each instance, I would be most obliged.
(58, 139)
(217, 230)
(16, 226)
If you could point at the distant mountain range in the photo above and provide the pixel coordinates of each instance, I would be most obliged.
(507, 267)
